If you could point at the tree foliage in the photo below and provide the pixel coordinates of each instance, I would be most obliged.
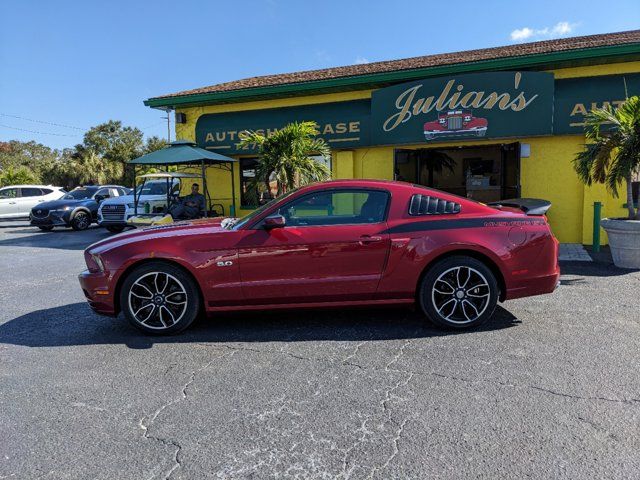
(100, 158)
(17, 176)
(286, 156)
(612, 154)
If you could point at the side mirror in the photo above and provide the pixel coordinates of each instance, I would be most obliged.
(99, 198)
(274, 221)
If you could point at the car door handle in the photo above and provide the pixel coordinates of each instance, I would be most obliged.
(364, 239)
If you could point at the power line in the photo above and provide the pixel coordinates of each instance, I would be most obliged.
(39, 133)
(42, 121)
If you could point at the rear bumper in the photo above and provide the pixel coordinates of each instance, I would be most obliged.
(535, 286)
(96, 288)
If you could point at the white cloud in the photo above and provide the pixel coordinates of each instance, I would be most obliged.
(361, 60)
(560, 29)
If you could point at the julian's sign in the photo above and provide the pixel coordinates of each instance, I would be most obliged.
(501, 104)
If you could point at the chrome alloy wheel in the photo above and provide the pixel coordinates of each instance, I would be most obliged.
(157, 300)
(461, 294)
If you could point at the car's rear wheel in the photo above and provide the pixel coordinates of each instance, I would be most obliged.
(459, 292)
(159, 298)
(115, 228)
(81, 221)
(45, 228)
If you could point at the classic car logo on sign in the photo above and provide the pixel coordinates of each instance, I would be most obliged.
(456, 123)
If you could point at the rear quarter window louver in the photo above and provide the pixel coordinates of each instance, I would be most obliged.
(427, 205)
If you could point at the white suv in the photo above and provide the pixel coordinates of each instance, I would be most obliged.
(114, 213)
(16, 201)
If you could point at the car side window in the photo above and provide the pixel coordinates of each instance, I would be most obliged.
(31, 192)
(46, 191)
(9, 193)
(337, 207)
(114, 192)
(101, 191)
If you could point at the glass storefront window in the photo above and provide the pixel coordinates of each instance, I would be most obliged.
(253, 193)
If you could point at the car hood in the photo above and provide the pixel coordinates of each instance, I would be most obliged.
(57, 204)
(204, 226)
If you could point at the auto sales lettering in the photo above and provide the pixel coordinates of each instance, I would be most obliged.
(500, 104)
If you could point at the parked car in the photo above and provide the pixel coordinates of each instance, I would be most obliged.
(456, 123)
(334, 244)
(76, 209)
(114, 213)
(16, 201)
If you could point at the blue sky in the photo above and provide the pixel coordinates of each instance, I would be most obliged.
(79, 63)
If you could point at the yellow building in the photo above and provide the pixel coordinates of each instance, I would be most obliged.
(488, 124)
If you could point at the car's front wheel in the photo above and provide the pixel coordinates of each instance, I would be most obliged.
(159, 298)
(81, 221)
(459, 292)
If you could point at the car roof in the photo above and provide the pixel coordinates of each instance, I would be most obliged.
(31, 186)
(363, 183)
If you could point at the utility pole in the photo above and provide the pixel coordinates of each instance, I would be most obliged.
(168, 117)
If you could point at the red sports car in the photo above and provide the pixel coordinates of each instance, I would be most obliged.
(334, 244)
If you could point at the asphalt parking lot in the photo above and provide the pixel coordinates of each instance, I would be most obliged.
(549, 389)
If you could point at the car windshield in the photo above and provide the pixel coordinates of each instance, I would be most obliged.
(78, 194)
(154, 188)
(235, 225)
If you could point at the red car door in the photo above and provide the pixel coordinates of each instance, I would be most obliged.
(332, 248)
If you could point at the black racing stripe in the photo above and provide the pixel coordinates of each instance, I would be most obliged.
(487, 222)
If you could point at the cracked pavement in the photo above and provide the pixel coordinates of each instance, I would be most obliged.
(549, 389)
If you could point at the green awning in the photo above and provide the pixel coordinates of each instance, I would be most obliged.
(181, 153)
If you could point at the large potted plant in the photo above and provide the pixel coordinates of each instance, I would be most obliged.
(612, 157)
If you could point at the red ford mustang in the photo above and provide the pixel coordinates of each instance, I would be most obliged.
(335, 244)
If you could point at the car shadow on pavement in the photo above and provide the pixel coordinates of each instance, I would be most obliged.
(76, 324)
(59, 238)
(591, 269)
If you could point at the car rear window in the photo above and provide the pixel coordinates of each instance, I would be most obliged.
(428, 205)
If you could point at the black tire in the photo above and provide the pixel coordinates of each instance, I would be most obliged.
(45, 228)
(115, 228)
(159, 322)
(81, 220)
(450, 301)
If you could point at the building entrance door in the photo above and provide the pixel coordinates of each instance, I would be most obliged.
(487, 173)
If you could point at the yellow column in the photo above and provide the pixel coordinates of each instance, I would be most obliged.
(344, 167)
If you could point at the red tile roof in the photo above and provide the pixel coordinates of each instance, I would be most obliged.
(518, 50)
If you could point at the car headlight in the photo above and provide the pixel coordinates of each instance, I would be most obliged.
(61, 210)
(98, 260)
(131, 205)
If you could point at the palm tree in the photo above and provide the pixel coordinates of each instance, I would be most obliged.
(286, 156)
(91, 167)
(17, 176)
(612, 155)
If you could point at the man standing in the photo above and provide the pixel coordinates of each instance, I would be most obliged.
(190, 206)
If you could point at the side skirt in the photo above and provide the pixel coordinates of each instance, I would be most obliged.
(296, 306)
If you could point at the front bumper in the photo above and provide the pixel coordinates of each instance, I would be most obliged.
(96, 288)
(51, 220)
